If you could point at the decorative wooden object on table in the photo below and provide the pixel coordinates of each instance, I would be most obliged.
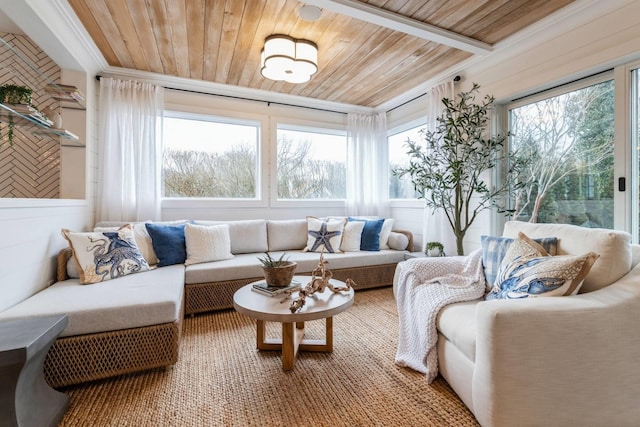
(267, 309)
(320, 279)
(25, 397)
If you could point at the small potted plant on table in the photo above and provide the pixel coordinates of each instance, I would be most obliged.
(434, 249)
(277, 272)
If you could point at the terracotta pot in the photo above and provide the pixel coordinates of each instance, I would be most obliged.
(280, 276)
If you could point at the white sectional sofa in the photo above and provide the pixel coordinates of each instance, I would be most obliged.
(133, 323)
(555, 361)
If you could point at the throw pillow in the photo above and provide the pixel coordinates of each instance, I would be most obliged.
(352, 236)
(143, 240)
(107, 255)
(494, 248)
(324, 235)
(168, 243)
(370, 240)
(385, 233)
(527, 271)
(207, 243)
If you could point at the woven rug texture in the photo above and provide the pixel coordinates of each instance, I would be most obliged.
(222, 380)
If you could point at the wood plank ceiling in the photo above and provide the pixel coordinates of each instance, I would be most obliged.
(360, 63)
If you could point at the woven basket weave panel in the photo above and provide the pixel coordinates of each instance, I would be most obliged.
(211, 296)
(81, 358)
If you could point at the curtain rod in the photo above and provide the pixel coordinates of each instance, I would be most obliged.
(455, 80)
(98, 77)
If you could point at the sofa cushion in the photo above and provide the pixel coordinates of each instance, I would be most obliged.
(168, 243)
(387, 226)
(527, 271)
(613, 246)
(370, 240)
(494, 248)
(207, 243)
(143, 240)
(137, 300)
(352, 236)
(247, 236)
(324, 236)
(246, 266)
(287, 235)
(107, 255)
(457, 323)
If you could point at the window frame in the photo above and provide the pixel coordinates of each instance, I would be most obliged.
(414, 123)
(620, 199)
(218, 116)
(277, 122)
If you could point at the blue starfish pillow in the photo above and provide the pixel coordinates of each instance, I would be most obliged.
(324, 235)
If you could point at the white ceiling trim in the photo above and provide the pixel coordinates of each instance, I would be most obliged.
(397, 22)
(212, 88)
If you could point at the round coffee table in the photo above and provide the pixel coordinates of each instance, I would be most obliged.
(265, 308)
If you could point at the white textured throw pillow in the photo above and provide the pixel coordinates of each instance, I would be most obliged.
(351, 236)
(207, 243)
(385, 232)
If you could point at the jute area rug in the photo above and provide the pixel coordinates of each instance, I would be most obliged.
(222, 380)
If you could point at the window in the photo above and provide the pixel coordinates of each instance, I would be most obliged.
(569, 141)
(210, 157)
(311, 163)
(401, 188)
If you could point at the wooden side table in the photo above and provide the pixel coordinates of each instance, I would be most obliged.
(25, 397)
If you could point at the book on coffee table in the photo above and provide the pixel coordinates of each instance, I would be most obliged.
(263, 288)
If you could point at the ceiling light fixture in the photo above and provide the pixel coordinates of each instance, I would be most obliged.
(284, 58)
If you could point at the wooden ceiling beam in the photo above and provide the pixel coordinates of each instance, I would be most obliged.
(384, 18)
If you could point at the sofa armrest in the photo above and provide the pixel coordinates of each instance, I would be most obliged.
(61, 271)
(560, 360)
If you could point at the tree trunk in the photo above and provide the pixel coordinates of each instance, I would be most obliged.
(459, 239)
(536, 208)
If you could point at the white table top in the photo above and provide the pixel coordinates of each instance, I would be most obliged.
(272, 309)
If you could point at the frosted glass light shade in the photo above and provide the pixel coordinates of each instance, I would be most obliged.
(284, 58)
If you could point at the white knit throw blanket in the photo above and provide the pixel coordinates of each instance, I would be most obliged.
(424, 286)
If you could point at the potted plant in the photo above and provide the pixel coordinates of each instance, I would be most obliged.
(14, 94)
(434, 249)
(448, 169)
(277, 272)
(11, 94)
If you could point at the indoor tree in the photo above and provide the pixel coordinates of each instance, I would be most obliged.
(448, 168)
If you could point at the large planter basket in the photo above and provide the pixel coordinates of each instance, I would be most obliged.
(280, 276)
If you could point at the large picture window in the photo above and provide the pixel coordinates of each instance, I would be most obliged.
(401, 187)
(311, 163)
(569, 141)
(209, 157)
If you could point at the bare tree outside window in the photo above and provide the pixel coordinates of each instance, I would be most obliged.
(568, 140)
(311, 165)
(209, 159)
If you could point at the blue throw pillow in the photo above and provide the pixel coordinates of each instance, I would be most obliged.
(168, 243)
(494, 248)
(370, 239)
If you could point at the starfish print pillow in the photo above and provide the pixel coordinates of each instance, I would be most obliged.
(324, 235)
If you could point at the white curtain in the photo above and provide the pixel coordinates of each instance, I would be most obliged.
(436, 227)
(367, 165)
(128, 153)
